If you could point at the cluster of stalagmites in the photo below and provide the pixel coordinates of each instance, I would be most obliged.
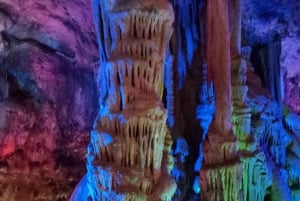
(128, 156)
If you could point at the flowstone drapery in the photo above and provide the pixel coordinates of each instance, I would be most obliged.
(128, 156)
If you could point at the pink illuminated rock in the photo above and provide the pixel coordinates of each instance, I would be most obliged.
(290, 64)
(48, 96)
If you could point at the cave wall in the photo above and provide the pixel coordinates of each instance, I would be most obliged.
(290, 62)
(48, 97)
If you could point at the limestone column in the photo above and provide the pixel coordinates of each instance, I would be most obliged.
(220, 175)
(128, 156)
(256, 176)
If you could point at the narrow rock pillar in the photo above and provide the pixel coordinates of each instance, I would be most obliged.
(220, 175)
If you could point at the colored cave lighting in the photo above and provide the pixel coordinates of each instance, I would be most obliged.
(150, 100)
(247, 145)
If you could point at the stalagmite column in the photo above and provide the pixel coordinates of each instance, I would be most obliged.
(241, 114)
(220, 176)
(235, 22)
(256, 176)
(128, 156)
(218, 59)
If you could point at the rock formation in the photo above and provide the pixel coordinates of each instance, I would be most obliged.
(289, 63)
(48, 56)
(182, 100)
(128, 156)
(220, 175)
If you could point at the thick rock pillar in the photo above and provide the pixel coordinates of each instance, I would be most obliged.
(128, 156)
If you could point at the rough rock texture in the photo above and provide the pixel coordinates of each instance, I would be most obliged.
(48, 97)
(219, 78)
(267, 65)
(269, 23)
(265, 21)
(290, 65)
(128, 155)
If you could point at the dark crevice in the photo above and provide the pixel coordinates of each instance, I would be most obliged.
(14, 41)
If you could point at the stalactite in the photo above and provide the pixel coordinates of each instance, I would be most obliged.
(279, 188)
(257, 177)
(187, 36)
(224, 179)
(270, 64)
(169, 85)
